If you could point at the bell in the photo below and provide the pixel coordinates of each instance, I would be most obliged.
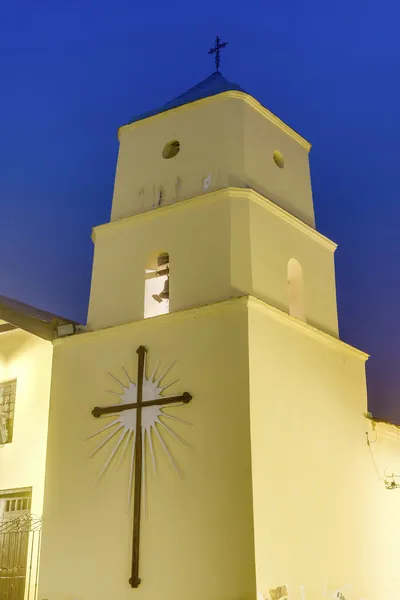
(163, 259)
(164, 295)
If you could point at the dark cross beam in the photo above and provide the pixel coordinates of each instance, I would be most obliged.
(217, 51)
(134, 580)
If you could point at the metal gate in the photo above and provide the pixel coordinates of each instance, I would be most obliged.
(19, 557)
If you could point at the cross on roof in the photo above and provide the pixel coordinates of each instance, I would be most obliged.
(217, 50)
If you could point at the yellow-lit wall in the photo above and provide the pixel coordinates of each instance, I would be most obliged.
(207, 146)
(230, 139)
(197, 539)
(228, 243)
(383, 530)
(27, 359)
(321, 515)
(289, 187)
(279, 487)
(275, 238)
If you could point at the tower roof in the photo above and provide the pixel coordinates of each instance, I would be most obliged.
(211, 86)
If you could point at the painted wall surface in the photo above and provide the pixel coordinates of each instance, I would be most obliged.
(195, 234)
(384, 522)
(274, 237)
(225, 244)
(27, 359)
(225, 140)
(208, 132)
(322, 518)
(197, 538)
(289, 187)
(277, 463)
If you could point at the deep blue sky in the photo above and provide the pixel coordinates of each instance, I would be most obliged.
(72, 72)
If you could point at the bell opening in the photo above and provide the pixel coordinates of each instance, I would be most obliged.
(157, 287)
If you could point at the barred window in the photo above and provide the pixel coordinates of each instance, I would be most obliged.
(16, 505)
(7, 406)
(13, 504)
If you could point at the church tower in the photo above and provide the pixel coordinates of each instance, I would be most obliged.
(223, 186)
(211, 369)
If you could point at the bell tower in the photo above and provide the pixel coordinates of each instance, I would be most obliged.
(211, 282)
(221, 185)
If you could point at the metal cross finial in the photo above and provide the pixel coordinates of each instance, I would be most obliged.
(217, 50)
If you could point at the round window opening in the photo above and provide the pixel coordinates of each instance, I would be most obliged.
(171, 149)
(278, 159)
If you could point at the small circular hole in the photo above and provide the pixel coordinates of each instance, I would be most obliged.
(171, 149)
(278, 159)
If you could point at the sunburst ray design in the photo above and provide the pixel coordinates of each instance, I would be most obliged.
(124, 423)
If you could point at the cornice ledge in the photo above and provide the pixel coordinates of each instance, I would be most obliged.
(284, 215)
(229, 304)
(154, 213)
(310, 330)
(223, 193)
(184, 313)
(250, 100)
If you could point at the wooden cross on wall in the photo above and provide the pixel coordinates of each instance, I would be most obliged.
(97, 412)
